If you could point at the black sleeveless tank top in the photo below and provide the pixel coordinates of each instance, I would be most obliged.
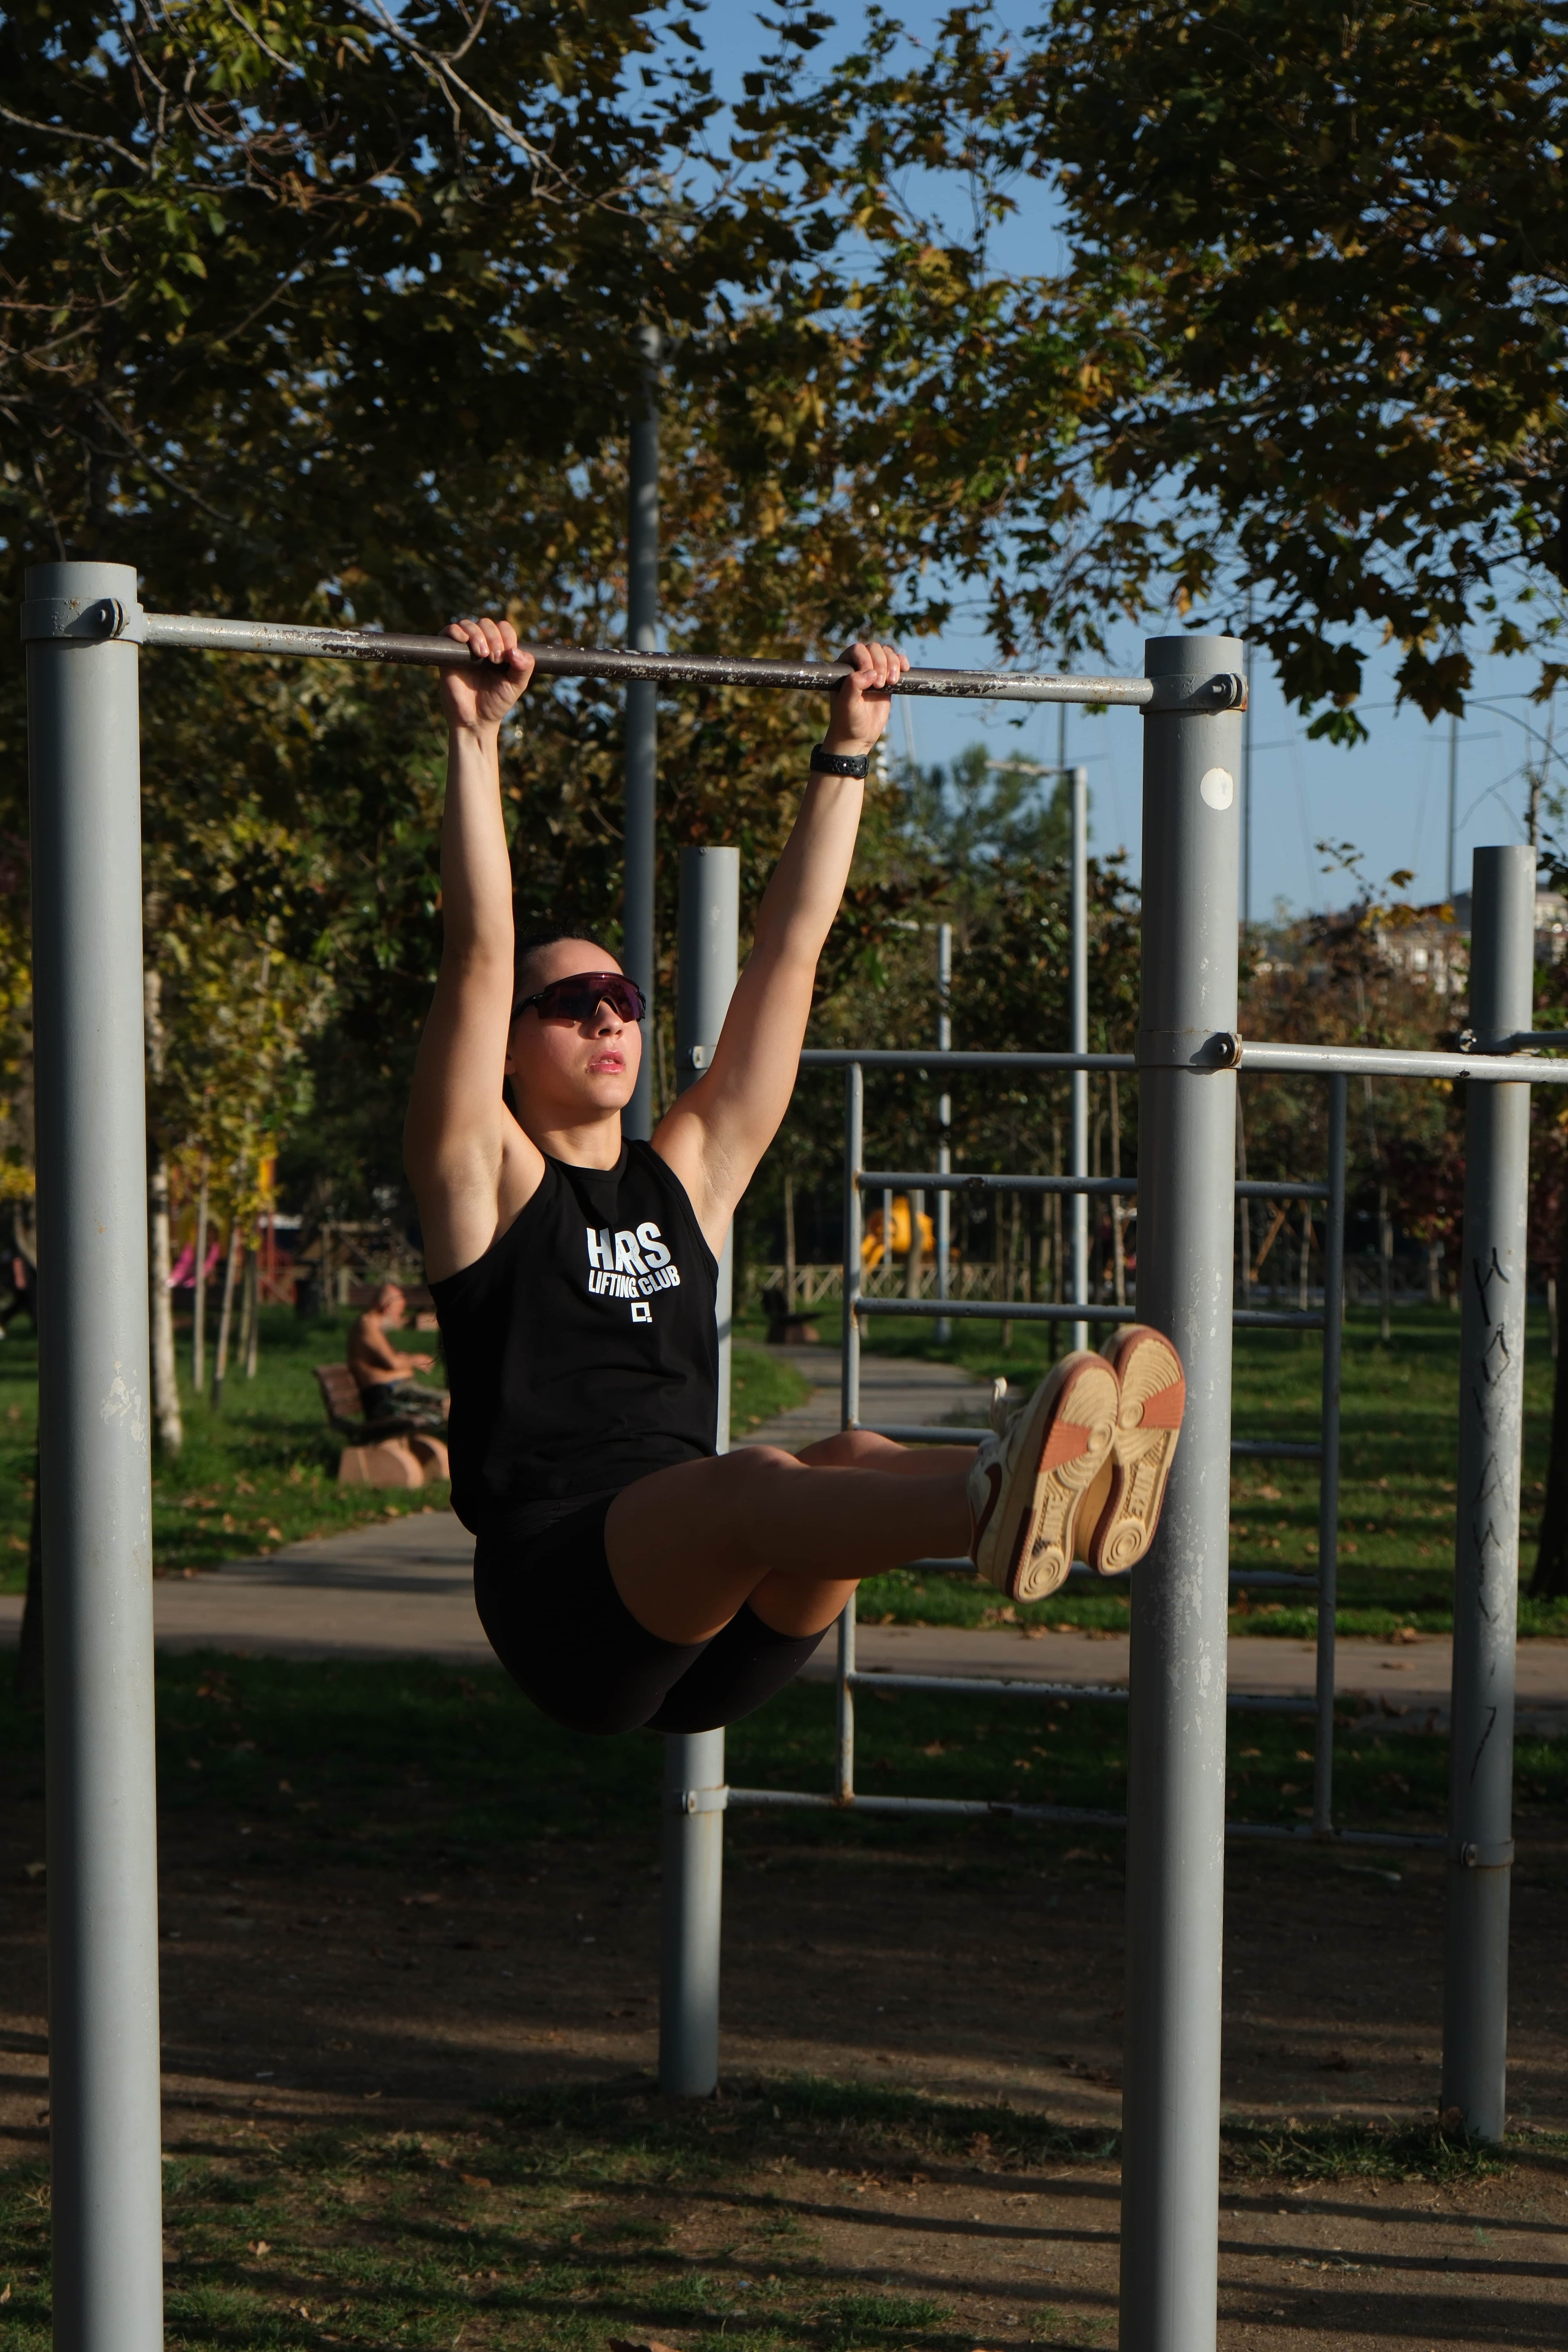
(583, 1349)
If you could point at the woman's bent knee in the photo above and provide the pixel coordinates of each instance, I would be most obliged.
(850, 1449)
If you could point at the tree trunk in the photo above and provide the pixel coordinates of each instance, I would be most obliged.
(225, 1313)
(1386, 1261)
(30, 1650)
(166, 1421)
(1550, 1582)
(251, 1313)
(199, 1292)
(252, 1316)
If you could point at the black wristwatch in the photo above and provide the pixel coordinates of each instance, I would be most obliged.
(839, 764)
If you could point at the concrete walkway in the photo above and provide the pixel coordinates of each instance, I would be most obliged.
(893, 1393)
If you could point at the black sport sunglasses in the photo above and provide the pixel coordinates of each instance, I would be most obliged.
(579, 997)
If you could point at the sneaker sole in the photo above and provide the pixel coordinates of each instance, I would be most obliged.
(1027, 1547)
(1152, 1395)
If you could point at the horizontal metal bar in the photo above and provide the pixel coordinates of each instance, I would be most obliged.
(1265, 1579)
(987, 1686)
(928, 1180)
(843, 1057)
(964, 1808)
(1278, 1188)
(1011, 1687)
(993, 1311)
(205, 632)
(1070, 1816)
(1304, 1835)
(1525, 1041)
(920, 1432)
(1385, 1062)
(1030, 1310)
(882, 1180)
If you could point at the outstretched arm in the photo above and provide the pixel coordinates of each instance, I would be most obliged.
(717, 1131)
(459, 1139)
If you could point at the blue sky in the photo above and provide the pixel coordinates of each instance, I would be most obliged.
(1389, 796)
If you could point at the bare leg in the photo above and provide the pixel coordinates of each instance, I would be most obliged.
(801, 1605)
(688, 1546)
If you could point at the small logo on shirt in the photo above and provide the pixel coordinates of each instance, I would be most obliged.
(631, 1263)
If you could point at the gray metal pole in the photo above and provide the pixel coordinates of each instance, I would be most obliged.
(1328, 1469)
(694, 1791)
(639, 943)
(1078, 1043)
(1176, 1795)
(1486, 1558)
(94, 1463)
(854, 1227)
(945, 1123)
(1246, 807)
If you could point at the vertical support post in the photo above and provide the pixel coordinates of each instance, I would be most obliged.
(94, 1461)
(640, 945)
(1329, 1467)
(1175, 1796)
(854, 1234)
(844, 1708)
(1485, 1558)
(1078, 987)
(944, 1124)
(854, 1221)
(1449, 876)
(694, 1789)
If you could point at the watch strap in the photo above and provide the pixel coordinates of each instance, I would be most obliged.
(839, 764)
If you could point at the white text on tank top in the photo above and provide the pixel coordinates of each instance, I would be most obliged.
(630, 1264)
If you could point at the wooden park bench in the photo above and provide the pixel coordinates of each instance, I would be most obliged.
(391, 1452)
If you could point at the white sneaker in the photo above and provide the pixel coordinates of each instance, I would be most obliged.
(1030, 1482)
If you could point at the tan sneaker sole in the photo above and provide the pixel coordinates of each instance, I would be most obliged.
(1024, 1546)
(1152, 1398)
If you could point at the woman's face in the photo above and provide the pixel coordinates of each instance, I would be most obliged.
(564, 1071)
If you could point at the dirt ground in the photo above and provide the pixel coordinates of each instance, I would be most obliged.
(956, 1971)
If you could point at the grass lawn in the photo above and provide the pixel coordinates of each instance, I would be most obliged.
(1399, 1431)
(263, 1470)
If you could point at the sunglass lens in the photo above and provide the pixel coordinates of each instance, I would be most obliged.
(579, 1000)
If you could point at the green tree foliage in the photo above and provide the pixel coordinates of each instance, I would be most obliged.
(1330, 259)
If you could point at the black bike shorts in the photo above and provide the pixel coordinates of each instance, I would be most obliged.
(554, 1619)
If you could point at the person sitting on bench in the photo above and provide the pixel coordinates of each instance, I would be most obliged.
(385, 1390)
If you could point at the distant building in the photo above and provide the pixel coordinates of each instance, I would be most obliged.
(1431, 946)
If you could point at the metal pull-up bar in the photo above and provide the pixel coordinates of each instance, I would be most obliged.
(104, 619)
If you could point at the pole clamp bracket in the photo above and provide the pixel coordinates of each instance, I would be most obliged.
(697, 1058)
(697, 1801)
(1187, 1049)
(1472, 1853)
(1178, 696)
(99, 620)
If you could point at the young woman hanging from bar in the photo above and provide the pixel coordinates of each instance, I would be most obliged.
(626, 1574)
